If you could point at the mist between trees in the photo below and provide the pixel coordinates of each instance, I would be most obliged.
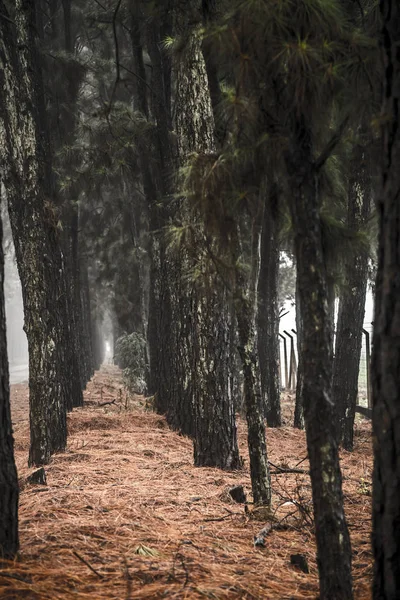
(174, 172)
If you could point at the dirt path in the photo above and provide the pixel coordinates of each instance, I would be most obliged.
(126, 515)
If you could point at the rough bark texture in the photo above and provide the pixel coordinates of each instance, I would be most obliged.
(352, 307)
(8, 472)
(245, 310)
(386, 350)
(157, 184)
(29, 187)
(299, 406)
(61, 111)
(186, 329)
(215, 440)
(268, 314)
(203, 316)
(91, 361)
(333, 542)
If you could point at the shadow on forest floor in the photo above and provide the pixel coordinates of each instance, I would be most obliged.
(126, 515)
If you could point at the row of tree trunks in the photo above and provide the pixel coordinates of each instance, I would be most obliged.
(206, 342)
(189, 373)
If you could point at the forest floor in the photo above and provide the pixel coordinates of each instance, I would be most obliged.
(125, 514)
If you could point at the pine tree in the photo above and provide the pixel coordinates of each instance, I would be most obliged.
(29, 187)
(386, 349)
(352, 297)
(9, 489)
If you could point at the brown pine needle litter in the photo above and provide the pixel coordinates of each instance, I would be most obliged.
(125, 514)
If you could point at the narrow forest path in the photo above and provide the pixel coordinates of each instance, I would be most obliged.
(126, 487)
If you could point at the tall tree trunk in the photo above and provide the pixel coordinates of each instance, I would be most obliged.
(386, 349)
(352, 307)
(205, 343)
(215, 440)
(75, 305)
(299, 405)
(29, 186)
(268, 312)
(245, 310)
(333, 542)
(60, 115)
(87, 335)
(8, 472)
(157, 184)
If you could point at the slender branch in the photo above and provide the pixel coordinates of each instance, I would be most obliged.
(280, 470)
(117, 63)
(85, 562)
(3, 16)
(15, 576)
(106, 403)
(331, 145)
(101, 5)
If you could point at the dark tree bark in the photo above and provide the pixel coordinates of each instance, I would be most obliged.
(352, 306)
(29, 186)
(157, 184)
(187, 375)
(299, 408)
(8, 473)
(63, 79)
(80, 372)
(245, 310)
(215, 439)
(268, 313)
(202, 317)
(91, 362)
(386, 349)
(333, 542)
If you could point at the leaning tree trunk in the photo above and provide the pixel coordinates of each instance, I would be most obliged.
(332, 536)
(8, 472)
(386, 350)
(28, 183)
(352, 308)
(205, 319)
(268, 313)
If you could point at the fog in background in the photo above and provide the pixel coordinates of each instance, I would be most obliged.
(17, 344)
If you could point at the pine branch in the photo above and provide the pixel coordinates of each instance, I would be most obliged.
(3, 16)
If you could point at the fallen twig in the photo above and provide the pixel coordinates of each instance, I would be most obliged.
(106, 403)
(301, 461)
(230, 514)
(218, 518)
(280, 470)
(14, 576)
(85, 562)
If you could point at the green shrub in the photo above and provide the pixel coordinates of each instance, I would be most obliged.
(130, 355)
